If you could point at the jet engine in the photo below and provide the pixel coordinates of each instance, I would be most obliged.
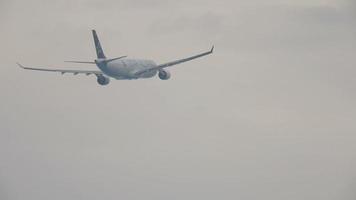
(164, 75)
(102, 80)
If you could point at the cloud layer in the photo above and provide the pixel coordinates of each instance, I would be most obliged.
(269, 116)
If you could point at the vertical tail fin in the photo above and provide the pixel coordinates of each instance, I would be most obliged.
(99, 49)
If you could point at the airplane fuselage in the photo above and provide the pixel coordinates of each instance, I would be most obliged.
(127, 68)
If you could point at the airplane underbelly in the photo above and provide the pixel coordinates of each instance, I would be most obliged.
(149, 74)
(116, 71)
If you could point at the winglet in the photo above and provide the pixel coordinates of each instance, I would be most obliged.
(212, 49)
(20, 65)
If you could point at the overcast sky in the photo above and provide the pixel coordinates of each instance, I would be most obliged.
(270, 115)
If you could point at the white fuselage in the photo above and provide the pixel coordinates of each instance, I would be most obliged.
(127, 68)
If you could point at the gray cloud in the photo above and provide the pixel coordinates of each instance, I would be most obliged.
(208, 23)
(270, 115)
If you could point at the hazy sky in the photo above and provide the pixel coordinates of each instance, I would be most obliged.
(270, 115)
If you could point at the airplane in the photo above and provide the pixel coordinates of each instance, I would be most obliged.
(121, 68)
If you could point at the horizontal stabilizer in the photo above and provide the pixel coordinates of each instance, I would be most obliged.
(80, 62)
(113, 59)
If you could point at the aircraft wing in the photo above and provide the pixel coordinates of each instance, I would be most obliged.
(176, 62)
(62, 71)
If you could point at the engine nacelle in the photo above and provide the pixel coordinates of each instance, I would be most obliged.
(102, 80)
(164, 75)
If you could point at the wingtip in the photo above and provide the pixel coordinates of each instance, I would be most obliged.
(212, 49)
(20, 65)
